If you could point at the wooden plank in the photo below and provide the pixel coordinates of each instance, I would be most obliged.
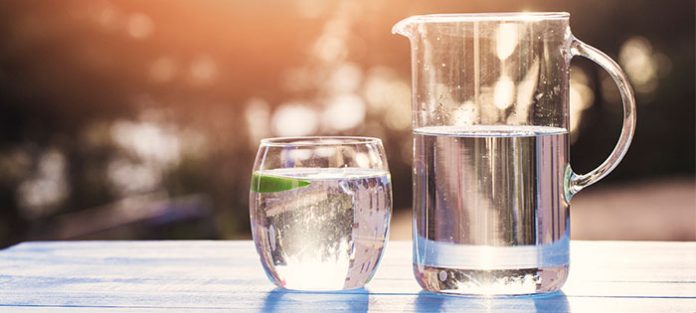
(402, 303)
(207, 276)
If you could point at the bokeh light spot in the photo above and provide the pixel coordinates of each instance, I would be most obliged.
(128, 177)
(47, 188)
(344, 112)
(163, 70)
(641, 63)
(294, 119)
(148, 140)
(203, 69)
(257, 115)
(140, 26)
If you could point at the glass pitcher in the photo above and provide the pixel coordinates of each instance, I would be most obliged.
(492, 182)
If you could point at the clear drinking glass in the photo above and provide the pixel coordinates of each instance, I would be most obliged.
(320, 210)
(492, 182)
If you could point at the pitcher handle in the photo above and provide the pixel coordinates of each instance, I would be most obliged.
(576, 182)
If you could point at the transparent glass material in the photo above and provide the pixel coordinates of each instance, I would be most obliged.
(320, 210)
(492, 182)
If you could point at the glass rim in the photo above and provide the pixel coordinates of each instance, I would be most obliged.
(491, 16)
(309, 141)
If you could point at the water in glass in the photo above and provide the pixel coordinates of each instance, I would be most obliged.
(491, 213)
(326, 235)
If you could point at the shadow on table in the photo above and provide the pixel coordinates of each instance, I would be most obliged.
(280, 300)
(430, 302)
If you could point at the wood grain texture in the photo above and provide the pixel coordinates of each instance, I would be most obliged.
(214, 276)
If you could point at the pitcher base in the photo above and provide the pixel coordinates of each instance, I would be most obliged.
(491, 282)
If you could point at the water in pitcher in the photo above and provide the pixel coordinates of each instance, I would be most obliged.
(327, 235)
(491, 212)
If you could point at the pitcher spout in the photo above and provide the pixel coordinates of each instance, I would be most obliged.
(405, 27)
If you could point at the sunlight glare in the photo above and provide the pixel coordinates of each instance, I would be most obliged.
(506, 40)
(504, 92)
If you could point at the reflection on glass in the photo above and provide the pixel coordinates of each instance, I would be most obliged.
(506, 40)
(581, 98)
(429, 302)
(503, 92)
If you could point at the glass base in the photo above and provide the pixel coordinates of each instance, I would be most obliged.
(491, 282)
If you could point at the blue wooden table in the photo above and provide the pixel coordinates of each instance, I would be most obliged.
(213, 276)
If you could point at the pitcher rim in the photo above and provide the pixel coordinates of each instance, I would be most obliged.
(489, 16)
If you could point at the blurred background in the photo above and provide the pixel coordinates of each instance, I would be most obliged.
(140, 119)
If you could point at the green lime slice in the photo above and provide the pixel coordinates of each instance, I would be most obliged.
(268, 183)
